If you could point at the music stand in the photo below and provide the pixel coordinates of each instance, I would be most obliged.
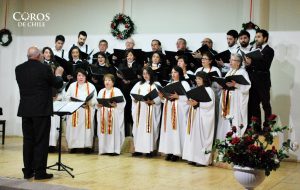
(63, 108)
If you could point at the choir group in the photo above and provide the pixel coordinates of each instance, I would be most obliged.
(176, 103)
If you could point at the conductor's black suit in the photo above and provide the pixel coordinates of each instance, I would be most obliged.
(35, 82)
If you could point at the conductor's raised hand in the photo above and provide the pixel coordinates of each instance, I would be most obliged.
(59, 71)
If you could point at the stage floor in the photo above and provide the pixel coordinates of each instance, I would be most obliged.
(125, 172)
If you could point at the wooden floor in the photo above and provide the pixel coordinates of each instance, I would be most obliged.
(124, 172)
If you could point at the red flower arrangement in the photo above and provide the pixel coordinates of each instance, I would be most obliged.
(128, 25)
(251, 151)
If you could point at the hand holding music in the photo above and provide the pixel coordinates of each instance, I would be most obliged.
(174, 96)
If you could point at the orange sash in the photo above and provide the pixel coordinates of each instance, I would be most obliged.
(87, 110)
(110, 115)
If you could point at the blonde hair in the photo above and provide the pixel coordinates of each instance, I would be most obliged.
(110, 76)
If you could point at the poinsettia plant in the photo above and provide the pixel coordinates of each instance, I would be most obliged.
(254, 149)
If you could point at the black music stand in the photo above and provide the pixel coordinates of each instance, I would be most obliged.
(61, 112)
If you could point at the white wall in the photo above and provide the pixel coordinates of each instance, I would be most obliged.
(165, 20)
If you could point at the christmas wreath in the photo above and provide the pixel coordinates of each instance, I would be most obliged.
(3, 34)
(250, 26)
(118, 20)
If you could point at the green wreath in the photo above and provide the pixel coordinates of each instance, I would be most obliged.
(249, 26)
(128, 25)
(3, 33)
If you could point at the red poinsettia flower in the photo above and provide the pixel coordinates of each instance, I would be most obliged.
(254, 119)
(229, 134)
(112, 25)
(235, 140)
(120, 17)
(126, 26)
(272, 117)
(248, 140)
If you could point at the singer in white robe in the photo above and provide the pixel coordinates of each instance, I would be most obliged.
(111, 134)
(200, 128)
(207, 59)
(80, 125)
(146, 119)
(234, 103)
(172, 136)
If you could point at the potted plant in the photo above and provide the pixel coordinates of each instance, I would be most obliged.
(252, 155)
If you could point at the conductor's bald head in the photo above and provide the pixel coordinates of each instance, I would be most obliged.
(33, 53)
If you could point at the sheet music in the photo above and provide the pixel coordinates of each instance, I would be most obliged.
(69, 107)
(57, 105)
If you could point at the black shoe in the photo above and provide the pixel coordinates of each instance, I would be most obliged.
(175, 158)
(43, 176)
(149, 155)
(114, 154)
(135, 154)
(51, 149)
(169, 157)
(27, 173)
(28, 176)
(200, 165)
(192, 163)
(87, 150)
(73, 150)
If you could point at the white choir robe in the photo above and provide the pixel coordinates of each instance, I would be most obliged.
(201, 135)
(111, 143)
(145, 142)
(238, 107)
(79, 136)
(172, 140)
(216, 88)
(55, 122)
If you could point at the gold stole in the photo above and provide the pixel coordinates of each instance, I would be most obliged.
(110, 115)
(191, 116)
(87, 110)
(173, 115)
(226, 97)
(149, 116)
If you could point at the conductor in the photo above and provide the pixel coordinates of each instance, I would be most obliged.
(35, 81)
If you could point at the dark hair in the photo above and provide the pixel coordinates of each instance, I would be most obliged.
(83, 33)
(182, 39)
(60, 38)
(180, 71)
(205, 78)
(51, 52)
(151, 74)
(233, 33)
(209, 55)
(159, 54)
(244, 32)
(82, 71)
(184, 58)
(264, 33)
(111, 76)
(130, 51)
(70, 52)
(107, 64)
(155, 40)
(103, 41)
